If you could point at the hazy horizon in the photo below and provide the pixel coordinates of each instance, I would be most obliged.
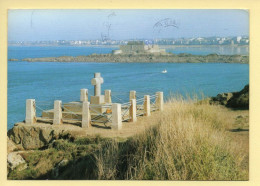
(119, 24)
(124, 39)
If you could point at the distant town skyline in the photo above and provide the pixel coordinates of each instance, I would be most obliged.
(239, 40)
(47, 25)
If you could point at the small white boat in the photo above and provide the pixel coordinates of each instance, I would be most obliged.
(164, 71)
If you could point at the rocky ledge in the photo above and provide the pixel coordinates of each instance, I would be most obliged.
(147, 58)
(236, 100)
(26, 137)
(23, 138)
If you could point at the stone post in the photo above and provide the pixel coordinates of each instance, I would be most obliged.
(84, 95)
(132, 111)
(86, 117)
(108, 96)
(132, 95)
(57, 120)
(116, 116)
(147, 107)
(30, 117)
(159, 101)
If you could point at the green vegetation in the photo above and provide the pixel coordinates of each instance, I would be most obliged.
(186, 142)
(235, 100)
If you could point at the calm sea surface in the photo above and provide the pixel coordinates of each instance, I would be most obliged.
(47, 82)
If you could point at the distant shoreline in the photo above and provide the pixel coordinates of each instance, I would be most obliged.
(145, 58)
(117, 46)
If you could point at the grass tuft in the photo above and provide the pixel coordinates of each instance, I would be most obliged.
(188, 141)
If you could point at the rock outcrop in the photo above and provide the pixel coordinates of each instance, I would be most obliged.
(222, 98)
(237, 100)
(15, 160)
(38, 136)
(240, 99)
(11, 146)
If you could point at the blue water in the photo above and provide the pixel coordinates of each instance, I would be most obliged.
(47, 82)
(20, 53)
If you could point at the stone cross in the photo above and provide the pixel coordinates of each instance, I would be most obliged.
(97, 81)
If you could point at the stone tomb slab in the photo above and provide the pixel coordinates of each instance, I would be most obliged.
(73, 110)
(73, 106)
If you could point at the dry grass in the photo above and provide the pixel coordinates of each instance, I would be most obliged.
(187, 141)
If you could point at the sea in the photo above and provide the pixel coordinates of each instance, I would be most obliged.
(49, 81)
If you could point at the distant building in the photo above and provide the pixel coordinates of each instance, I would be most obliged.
(238, 39)
(138, 47)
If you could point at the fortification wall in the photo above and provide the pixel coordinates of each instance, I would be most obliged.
(127, 49)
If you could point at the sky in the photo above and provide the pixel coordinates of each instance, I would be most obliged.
(45, 25)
